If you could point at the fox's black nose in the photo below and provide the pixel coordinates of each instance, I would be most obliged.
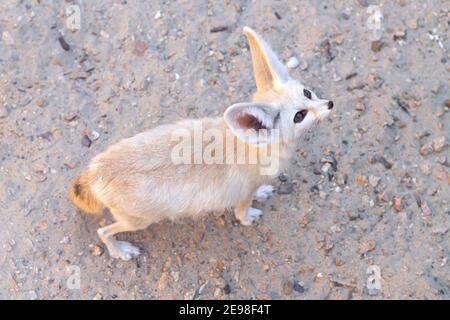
(330, 105)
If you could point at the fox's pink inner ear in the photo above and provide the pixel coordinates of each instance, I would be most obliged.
(251, 122)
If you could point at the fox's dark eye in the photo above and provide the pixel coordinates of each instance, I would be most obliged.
(307, 93)
(299, 116)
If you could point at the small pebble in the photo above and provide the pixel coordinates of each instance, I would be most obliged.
(41, 103)
(360, 106)
(397, 203)
(345, 16)
(352, 215)
(361, 180)
(426, 211)
(339, 39)
(200, 290)
(351, 75)
(86, 141)
(330, 159)
(438, 144)
(220, 56)
(65, 240)
(374, 180)
(412, 24)
(292, 63)
(285, 188)
(39, 177)
(7, 38)
(98, 296)
(227, 289)
(104, 34)
(94, 135)
(218, 29)
(376, 45)
(442, 159)
(384, 162)
(283, 177)
(425, 168)
(46, 135)
(341, 179)
(70, 117)
(425, 149)
(325, 167)
(299, 287)
(63, 43)
(338, 261)
(69, 163)
(431, 191)
(96, 250)
(367, 246)
(287, 288)
(436, 88)
(399, 35)
(373, 282)
(329, 244)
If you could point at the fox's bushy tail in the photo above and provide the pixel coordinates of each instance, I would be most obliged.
(81, 195)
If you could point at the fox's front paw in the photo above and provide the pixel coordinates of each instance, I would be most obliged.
(251, 214)
(264, 192)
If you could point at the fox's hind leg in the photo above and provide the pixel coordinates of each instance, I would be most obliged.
(121, 249)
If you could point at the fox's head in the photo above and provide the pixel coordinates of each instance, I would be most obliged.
(280, 103)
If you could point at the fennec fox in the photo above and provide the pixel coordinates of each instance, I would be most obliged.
(142, 180)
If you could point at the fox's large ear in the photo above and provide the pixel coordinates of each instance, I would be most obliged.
(269, 72)
(253, 123)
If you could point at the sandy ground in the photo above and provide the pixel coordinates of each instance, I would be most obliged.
(364, 212)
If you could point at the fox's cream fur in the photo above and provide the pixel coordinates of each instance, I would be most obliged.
(138, 181)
